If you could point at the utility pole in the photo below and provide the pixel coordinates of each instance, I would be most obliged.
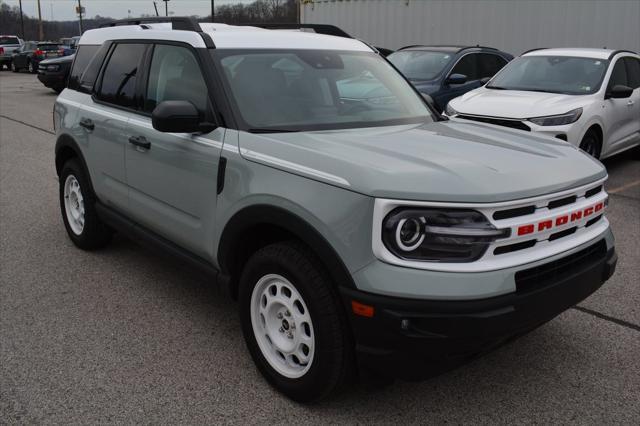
(80, 15)
(22, 21)
(213, 11)
(166, 7)
(40, 30)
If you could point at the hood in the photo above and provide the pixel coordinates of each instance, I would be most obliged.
(442, 161)
(60, 60)
(516, 103)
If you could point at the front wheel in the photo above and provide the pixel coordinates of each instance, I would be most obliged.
(79, 215)
(591, 143)
(292, 322)
(31, 68)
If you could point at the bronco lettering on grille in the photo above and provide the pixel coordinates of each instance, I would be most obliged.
(560, 220)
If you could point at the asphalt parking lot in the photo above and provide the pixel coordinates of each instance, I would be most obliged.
(123, 335)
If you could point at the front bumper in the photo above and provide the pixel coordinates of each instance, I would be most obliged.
(413, 339)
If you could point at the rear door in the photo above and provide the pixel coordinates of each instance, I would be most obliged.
(621, 114)
(23, 54)
(172, 181)
(466, 65)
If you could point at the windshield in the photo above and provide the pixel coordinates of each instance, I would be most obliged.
(553, 74)
(9, 40)
(317, 90)
(48, 47)
(420, 64)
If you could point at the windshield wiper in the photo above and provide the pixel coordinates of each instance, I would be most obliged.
(270, 130)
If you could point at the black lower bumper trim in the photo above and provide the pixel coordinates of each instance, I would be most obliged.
(407, 338)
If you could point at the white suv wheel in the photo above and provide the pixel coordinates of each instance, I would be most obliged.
(282, 326)
(74, 204)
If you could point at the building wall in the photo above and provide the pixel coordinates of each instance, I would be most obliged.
(511, 25)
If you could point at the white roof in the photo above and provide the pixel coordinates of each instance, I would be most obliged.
(227, 37)
(573, 51)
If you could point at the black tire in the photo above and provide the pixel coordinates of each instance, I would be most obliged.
(32, 69)
(333, 356)
(94, 233)
(58, 90)
(591, 143)
(13, 67)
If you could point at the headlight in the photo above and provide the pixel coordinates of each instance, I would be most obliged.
(558, 120)
(438, 235)
(449, 110)
(53, 67)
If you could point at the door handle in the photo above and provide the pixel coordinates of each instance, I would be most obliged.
(87, 123)
(140, 141)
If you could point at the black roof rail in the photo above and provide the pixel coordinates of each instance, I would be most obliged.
(460, 48)
(533, 50)
(180, 23)
(325, 29)
(477, 46)
(615, 52)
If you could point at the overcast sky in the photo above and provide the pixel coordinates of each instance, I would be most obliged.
(64, 10)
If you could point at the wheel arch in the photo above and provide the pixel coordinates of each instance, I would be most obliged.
(66, 149)
(256, 226)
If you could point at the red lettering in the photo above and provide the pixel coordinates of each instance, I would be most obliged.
(599, 206)
(576, 216)
(525, 229)
(547, 224)
(562, 220)
(588, 211)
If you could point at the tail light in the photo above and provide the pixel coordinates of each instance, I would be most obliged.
(39, 52)
(1, 51)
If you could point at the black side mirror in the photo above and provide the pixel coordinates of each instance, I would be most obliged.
(178, 117)
(456, 79)
(619, 91)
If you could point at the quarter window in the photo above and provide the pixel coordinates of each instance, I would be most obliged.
(175, 75)
(119, 78)
(80, 62)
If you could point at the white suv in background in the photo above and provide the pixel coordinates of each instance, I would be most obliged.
(588, 97)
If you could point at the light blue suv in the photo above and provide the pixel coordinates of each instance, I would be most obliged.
(357, 230)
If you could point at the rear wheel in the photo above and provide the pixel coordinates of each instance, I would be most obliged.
(292, 322)
(14, 68)
(591, 143)
(30, 67)
(77, 205)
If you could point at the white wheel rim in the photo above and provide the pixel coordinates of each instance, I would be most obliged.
(30, 67)
(282, 326)
(74, 204)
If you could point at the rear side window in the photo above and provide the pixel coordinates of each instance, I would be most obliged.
(9, 40)
(633, 72)
(80, 62)
(120, 74)
(175, 75)
(618, 75)
(489, 64)
(467, 66)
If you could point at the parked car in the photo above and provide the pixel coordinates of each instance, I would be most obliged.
(446, 72)
(8, 44)
(53, 73)
(374, 236)
(69, 45)
(588, 97)
(29, 55)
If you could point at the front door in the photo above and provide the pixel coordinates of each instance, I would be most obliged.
(622, 116)
(172, 176)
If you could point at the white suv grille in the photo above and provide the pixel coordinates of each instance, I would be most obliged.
(540, 227)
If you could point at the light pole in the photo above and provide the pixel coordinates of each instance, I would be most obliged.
(80, 15)
(21, 20)
(40, 30)
(166, 7)
(213, 11)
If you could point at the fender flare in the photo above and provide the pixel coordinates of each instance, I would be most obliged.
(264, 214)
(66, 147)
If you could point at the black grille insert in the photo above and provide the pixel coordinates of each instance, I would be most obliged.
(562, 202)
(592, 221)
(514, 124)
(514, 247)
(564, 233)
(552, 272)
(519, 211)
(593, 191)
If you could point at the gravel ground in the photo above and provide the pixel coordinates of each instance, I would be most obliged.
(124, 336)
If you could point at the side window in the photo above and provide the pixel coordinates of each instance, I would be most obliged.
(175, 75)
(80, 62)
(633, 72)
(467, 66)
(618, 75)
(119, 77)
(489, 64)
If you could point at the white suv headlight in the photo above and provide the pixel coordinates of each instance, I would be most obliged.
(558, 120)
(449, 111)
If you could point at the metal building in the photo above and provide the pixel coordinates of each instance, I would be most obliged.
(511, 25)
